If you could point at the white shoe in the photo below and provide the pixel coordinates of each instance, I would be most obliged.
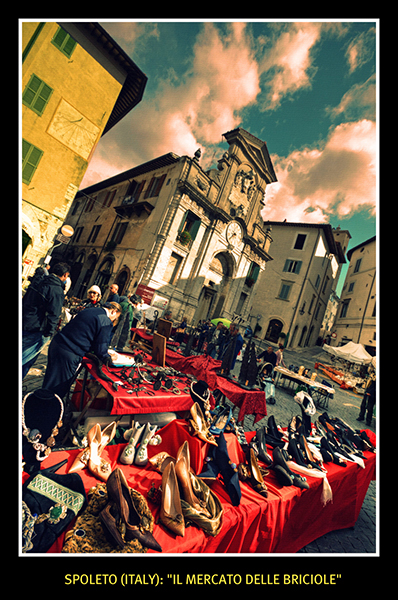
(128, 454)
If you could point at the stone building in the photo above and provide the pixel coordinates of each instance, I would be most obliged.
(185, 238)
(356, 318)
(76, 84)
(293, 293)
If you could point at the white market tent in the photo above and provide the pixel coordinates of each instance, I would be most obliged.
(352, 352)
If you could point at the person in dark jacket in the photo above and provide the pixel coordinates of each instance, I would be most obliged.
(41, 309)
(89, 331)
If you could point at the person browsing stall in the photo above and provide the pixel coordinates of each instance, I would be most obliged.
(41, 309)
(89, 331)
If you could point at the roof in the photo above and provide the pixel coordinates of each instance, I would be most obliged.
(369, 241)
(134, 85)
(259, 147)
(161, 161)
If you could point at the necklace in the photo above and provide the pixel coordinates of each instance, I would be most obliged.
(34, 435)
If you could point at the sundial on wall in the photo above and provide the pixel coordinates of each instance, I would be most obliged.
(73, 129)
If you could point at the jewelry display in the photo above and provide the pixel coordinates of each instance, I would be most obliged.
(34, 436)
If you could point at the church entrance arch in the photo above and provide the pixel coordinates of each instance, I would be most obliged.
(215, 293)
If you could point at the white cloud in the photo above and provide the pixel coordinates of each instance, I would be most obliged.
(336, 179)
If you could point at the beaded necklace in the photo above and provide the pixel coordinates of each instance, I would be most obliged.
(34, 435)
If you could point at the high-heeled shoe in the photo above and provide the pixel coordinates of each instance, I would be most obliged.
(199, 425)
(109, 518)
(256, 478)
(182, 469)
(261, 445)
(97, 466)
(141, 456)
(221, 420)
(81, 460)
(120, 495)
(285, 474)
(170, 510)
(107, 435)
(128, 454)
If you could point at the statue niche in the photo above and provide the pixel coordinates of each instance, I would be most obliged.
(242, 192)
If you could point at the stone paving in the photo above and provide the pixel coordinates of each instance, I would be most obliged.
(357, 540)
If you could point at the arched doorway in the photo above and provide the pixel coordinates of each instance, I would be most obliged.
(221, 270)
(214, 295)
(302, 337)
(104, 273)
(273, 330)
(122, 279)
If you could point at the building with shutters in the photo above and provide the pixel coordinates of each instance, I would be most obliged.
(356, 316)
(184, 238)
(292, 296)
(76, 84)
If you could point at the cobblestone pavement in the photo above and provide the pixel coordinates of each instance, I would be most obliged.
(357, 540)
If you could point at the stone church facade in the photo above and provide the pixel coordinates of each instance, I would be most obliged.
(191, 240)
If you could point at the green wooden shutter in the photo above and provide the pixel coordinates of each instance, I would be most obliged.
(30, 159)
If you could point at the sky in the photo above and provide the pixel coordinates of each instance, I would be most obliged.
(307, 88)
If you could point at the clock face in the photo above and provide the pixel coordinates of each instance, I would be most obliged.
(73, 129)
(234, 233)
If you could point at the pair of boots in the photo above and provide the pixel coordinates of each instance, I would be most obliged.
(136, 451)
(218, 461)
(120, 518)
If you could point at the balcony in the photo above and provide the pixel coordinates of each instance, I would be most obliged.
(131, 205)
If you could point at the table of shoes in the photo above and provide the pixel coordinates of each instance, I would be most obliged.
(197, 485)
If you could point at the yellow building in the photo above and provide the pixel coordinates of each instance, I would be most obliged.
(77, 83)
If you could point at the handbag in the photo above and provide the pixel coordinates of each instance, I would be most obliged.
(50, 502)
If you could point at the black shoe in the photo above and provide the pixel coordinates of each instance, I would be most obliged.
(260, 439)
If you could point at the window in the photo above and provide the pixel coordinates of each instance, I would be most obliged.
(109, 198)
(119, 232)
(154, 186)
(94, 233)
(189, 226)
(300, 241)
(173, 268)
(36, 95)
(325, 285)
(90, 204)
(284, 292)
(133, 192)
(64, 42)
(344, 308)
(77, 235)
(252, 274)
(292, 266)
(357, 265)
(30, 160)
(351, 287)
(242, 300)
(318, 281)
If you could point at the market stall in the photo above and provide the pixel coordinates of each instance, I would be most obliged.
(352, 358)
(283, 522)
(320, 392)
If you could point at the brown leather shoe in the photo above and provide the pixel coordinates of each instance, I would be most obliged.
(170, 510)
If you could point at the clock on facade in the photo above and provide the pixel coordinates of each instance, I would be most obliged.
(234, 233)
(73, 129)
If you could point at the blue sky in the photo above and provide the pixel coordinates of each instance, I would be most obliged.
(306, 88)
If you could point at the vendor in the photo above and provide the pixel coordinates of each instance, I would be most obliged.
(90, 330)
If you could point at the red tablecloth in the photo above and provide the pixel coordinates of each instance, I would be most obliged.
(205, 368)
(284, 522)
(130, 404)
